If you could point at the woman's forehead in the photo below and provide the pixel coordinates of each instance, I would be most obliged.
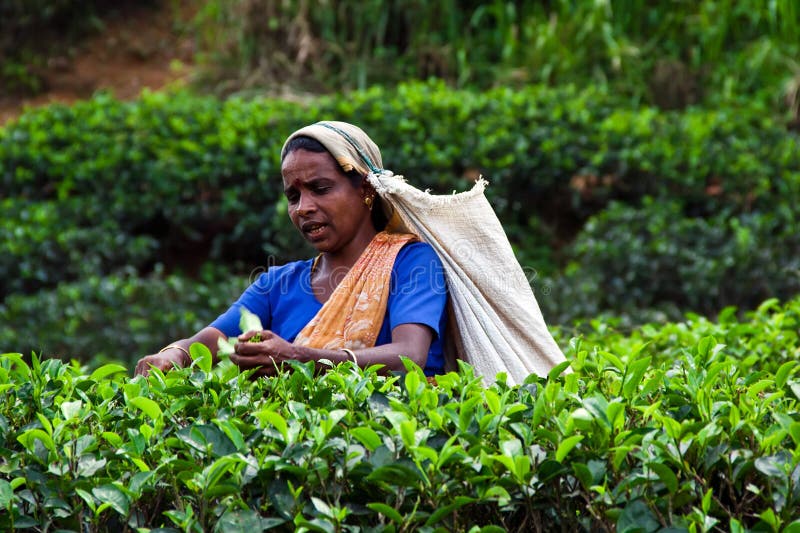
(300, 158)
(304, 165)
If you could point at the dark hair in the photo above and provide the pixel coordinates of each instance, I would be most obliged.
(309, 144)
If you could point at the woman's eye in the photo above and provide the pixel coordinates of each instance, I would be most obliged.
(322, 189)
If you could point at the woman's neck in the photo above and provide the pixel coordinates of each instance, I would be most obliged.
(347, 256)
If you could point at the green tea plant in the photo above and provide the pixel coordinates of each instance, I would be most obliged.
(183, 179)
(116, 318)
(631, 258)
(688, 426)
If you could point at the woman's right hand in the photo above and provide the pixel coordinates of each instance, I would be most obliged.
(164, 361)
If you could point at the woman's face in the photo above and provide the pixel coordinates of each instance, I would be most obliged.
(323, 204)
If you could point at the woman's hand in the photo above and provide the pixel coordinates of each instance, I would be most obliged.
(168, 359)
(263, 350)
(164, 361)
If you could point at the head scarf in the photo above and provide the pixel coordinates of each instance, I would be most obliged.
(348, 144)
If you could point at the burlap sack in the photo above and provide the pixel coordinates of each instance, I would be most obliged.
(496, 324)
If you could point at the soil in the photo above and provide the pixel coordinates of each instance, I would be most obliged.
(138, 47)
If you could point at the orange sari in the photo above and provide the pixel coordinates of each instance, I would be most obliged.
(353, 315)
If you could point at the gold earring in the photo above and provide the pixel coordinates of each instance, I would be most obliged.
(368, 202)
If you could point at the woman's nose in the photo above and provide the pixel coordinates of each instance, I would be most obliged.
(305, 205)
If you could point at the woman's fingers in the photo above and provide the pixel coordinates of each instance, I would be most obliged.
(265, 363)
(142, 368)
(251, 348)
(246, 336)
(251, 361)
(255, 336)
(261, 350)
(146, 363)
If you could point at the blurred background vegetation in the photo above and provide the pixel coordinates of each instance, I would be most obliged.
(643, 156)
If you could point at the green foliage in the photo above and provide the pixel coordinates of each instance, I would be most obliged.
(176, 180)
(120, 317)
(670, 54)
(690, 425)
(37, 248)
(180, 180)
(628, 259)
(186, 178)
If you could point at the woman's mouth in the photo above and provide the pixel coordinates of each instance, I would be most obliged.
(314, 230)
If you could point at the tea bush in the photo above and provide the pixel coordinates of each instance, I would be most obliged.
(115, 318)
(687, 426)
(632, 258)
(36, 245)
(180, 180)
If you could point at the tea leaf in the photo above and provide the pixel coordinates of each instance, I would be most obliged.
(226, 346)
(6, 494)
(666, 475)
(86, 497)
(201, 356)
(793, 527)
(436, 516)
(558, 370)
(89, 465)
(71, 410)
(48, 427)
(705, 347)
(225, 465)
(635, 373)
(637, 517)
(782, 374)
(706, 502)
(613, 359)
(249, 321)
(147, 406)
(107, 370)
(111, 495)
(242, 520)
(29, 437)
(275, 420)
(492, 401)
(367, 437)
(566, 446)
(207, 439)
(387, 511)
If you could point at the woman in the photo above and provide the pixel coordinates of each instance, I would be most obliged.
(370, 295)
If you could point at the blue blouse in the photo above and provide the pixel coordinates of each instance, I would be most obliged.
(282, 298)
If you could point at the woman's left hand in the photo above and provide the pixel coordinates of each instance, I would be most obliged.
(267, 354)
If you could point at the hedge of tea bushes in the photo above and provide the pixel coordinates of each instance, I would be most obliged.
(685, 426)
(179, 180)
(632, 258)
(120, 317)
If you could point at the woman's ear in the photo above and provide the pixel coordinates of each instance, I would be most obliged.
(367, 190)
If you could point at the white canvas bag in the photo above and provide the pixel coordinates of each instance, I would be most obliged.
(496, 321)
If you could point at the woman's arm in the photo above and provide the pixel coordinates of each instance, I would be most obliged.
(173, 357)
(410, 340)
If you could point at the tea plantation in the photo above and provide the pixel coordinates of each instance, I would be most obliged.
(686, 426)
(642, 157)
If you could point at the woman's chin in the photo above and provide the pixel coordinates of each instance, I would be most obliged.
(321, 245)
